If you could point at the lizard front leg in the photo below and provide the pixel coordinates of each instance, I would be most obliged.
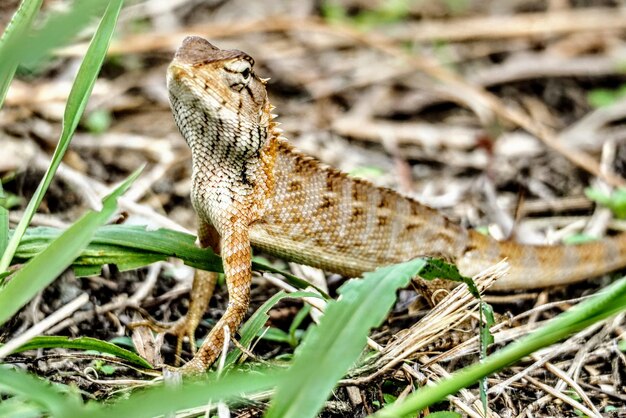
(201, 292)
(237, 259)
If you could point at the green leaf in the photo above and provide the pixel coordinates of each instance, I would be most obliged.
(57, 30)
(98, 121)
(444, 414)
(439, 269)
(133, 246)
(157, 401)
(329, 349)
(8, 200)
(577, 239)
(487, 321)
(293, 328)
(366, 172)
(59, 402)
(4, 224)
(42, 269)
(275, 334)
(15, 33)
(605, 97)
(19, 408)
(84, 343)
(616, 201)
(76, 102)
(256, 323)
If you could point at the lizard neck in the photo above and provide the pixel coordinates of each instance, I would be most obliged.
(232, 169)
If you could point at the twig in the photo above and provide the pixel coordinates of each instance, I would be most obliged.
(40, 327)
(566, 399)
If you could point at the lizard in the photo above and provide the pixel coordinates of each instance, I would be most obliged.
(252, 188)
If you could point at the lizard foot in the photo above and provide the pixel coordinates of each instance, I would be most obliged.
(185, 327)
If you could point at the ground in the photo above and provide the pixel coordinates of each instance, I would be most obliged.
(481, 109)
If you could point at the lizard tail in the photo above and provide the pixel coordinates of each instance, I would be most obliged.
(537, 266)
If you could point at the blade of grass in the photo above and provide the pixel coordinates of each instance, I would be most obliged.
(45, 267)
(331, 348)
(76, 102)
(157, 401)
(84, 343)
(257, 321)
(60, 403)
(19, 408)
(607, 303)
(56, 30)
(14, 32)
(134, 246)
(4, 222)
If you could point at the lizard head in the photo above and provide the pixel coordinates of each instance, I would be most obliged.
(218, 99)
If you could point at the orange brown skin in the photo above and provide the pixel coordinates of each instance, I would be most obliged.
(251, 187)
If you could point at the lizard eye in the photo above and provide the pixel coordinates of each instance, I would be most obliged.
(241, 71)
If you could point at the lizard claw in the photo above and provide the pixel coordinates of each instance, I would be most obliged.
(185, 327)
(182, 329)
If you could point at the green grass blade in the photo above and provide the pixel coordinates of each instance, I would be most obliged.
(19, 408)
(607, 303)
(331, 348)
(132, 246)
(4, 223)
(57, 30)
(41, 270)
(157, 401)
(77, 100)
(59, 403)
(257, 321)
(84, 343)
(15, 31)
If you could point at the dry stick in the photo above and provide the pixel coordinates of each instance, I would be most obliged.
(552, 352)
(508, 334)
(515, 26)
(533, 406)
(479, 100)
(40, 327)
(566, 399)
(521, 25)
(581, 354)
(542, 65)
(468, 396)
(567, 379)
(119, 303)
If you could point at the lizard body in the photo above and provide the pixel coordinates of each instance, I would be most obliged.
(251, 187)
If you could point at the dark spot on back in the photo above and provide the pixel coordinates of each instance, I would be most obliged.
(333, 182)
(294, 186)
(356, 213)
(327, 202)
(412, 227)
